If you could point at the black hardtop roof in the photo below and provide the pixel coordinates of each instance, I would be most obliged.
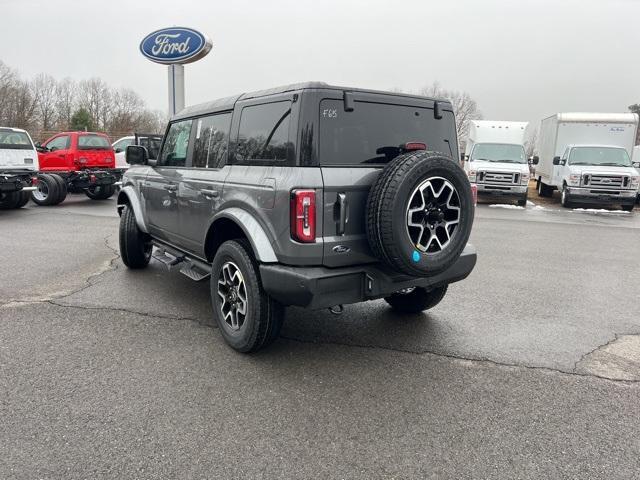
(227, 103)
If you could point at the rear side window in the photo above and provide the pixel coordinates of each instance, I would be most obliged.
(372, 133)
(93, 142)
(211, 140)
(175, 149)
(264, 134)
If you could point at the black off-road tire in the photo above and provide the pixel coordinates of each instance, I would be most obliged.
(62, 188)
(387, 208)
(418, 300)
(264, 317)
(9, 201)
(47, 192)
(100, 192)
(135, 245)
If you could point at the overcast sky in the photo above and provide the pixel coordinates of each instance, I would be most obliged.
(521, 60)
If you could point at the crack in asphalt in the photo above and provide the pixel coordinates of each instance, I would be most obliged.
(111, 266)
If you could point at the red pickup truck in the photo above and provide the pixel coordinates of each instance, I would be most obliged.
(75, 162)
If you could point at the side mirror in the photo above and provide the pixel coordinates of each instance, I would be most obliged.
(118, 150)
(40, 148)
(556, 160)
(136, 155)
(535, 160)
(636, 164)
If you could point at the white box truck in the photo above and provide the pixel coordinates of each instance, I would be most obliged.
(587, 156)
(495, 159)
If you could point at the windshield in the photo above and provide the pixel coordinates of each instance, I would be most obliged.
(498, 153)
(11, 140)
(602, 156)
(372, 133)
(93, 142)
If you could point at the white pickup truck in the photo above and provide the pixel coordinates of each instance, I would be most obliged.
(587, 156)
(495, 159)
(18, 167)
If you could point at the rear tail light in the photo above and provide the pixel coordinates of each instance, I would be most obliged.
(411, 146)
(303, 215)
(474, 194)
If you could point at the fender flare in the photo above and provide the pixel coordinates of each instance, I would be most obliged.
(128, 196)
(253, 230)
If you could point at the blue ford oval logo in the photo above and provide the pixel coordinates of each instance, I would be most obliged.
(175, 45)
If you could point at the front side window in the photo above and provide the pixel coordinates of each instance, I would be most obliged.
(499, 153)
(11, 140)
(174, 152)
(59, 143)
(264, 133)
(211, 140)
(602, 156)
(93, 142)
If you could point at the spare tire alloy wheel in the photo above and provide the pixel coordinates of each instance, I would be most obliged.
(433, 215)
(420, 213)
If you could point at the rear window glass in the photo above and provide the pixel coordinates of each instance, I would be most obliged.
(373, 132)
(93, 142)
(11, 140)
(264, 133)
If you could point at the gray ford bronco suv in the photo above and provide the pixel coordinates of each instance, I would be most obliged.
(308, 195)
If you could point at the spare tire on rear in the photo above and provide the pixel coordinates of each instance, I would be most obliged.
(419, 213)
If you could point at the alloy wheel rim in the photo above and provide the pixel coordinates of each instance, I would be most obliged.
(232, 292)
(433, 215)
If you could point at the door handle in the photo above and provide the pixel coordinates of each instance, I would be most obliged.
(343, 208)
(171, 188)
(210, 193)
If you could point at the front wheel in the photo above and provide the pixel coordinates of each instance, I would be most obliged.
(628, 207)
(135, 245)
(523, 201)
(247, 317)
(565, 199)
(417, 300)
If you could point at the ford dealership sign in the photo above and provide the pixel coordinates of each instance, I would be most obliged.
(175, 45)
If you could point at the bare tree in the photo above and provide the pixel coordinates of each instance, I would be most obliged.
(94, 96)
(530, 144)
(44, 89)
(7, 85)
(465, 108)
(65, 102)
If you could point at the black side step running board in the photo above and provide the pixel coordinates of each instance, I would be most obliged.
(193, 268)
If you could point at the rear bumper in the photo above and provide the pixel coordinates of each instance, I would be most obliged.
(586, 195)
(513, 191)
(321, 287)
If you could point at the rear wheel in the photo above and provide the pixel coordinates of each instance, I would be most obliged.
(248, 318)
(23, 199)
(543, 190)
(416, 300)
(62, 188)
(9, 201)
(47, 190)
(100, 192)
(135, 245)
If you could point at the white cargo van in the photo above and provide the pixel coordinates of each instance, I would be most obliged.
(495, 160)
(587, 156)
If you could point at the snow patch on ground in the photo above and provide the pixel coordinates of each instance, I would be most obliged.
(539, 207)
(600, 210)
(530, 203)
(509, 207)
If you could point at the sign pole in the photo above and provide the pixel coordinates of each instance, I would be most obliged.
(176, 88)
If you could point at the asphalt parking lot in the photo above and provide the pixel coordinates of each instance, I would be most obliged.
(529, 369)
